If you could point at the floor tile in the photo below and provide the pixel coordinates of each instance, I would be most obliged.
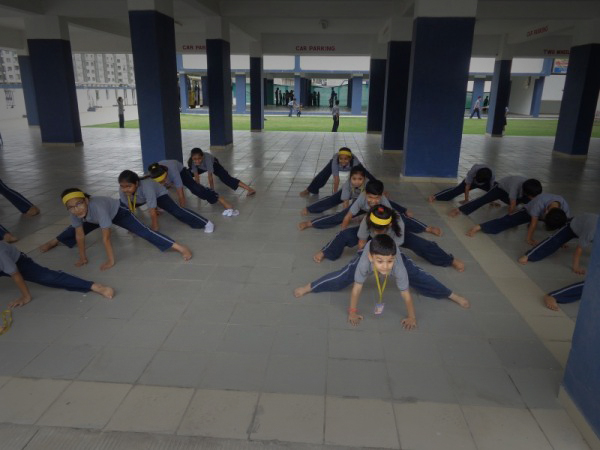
(23, 401)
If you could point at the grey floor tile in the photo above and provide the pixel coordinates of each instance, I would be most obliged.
(300, 341)
(420, 382)
(61, 361)
(38, 328)
(247, 339)
(467, 351)
(91, 331)
(504, 326)
(410, 347)
(235, 371)
(178, 369)
(118, 365)
(296, 375)
(15, 357)
(355, 344)
(524, 354)
(142, 333)
(190, 336)
(538, 387)
(355, 378)
(267, 314)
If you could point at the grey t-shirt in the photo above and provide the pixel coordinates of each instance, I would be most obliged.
(584, 226)
(361, 203)
(364, 233)
(101, 210)
(9, 255)
(147, 193)
(336, 167)
(349, 192)
(513, 185)
(364, 268)
(470, 177)
(174, 172)
(207, 164)
(537, 206)
(335, 111)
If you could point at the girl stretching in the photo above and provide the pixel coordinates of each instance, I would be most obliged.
(172, 173)
(89, 213)
(201, 162)
(349, 192)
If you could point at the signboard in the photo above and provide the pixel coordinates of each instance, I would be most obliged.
(560, 66)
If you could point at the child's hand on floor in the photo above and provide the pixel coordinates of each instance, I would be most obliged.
(81, 262)
(409, 323)
(354, 319)
(21, 301)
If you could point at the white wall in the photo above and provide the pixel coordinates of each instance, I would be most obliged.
(87, 98)
(552, 94)
(19, 105)
(521, 94)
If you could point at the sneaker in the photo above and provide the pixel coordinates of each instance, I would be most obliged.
(228, 212)
(209, 227)
(234, 212)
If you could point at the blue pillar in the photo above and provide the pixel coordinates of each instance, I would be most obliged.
(579, 101)
(269, 93)
(396, 95)
(240, 94)
(376, 95)
(536, 99)
(155, 65)
(204, 88)
(499, 97)
(582, 374)
(56, 98)
(28, 90)
(257, 112)
(297, 88)
(184, 85)
(218, 59)
(437, 42)
(356, 96)
(478, 86)
(349, 94)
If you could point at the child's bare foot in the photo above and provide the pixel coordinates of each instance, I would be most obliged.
(461, 301)
(48, 245)
(495, 205)
(10, 238)
(304, 225)
(302, 290)
(33, 211)
(186, 253)
(454, 212)
(318, 257)
(431, 198)
(473, 231)
(104, 291)
(304, 193)
(304, 212)
(458, 265)
(436, 231)
(251, 192)
(523, 260)
(550, 303)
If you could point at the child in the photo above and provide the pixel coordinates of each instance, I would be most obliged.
(344, 161)
(384, 220)
(6, 236)
(512, 190)
(21, 268)
(569, 294)
(136, 191)
(350, 191)
(479, 176)
(172, 173)
(581, 226)
(20, 202)
(361, 266)
(550, 208)
(201, 162)
(89, 213)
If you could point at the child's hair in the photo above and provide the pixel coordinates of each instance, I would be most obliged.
(483, 175)
(554, 219)
(68, 191)
(358, 169)
(532, 187)
(194, 151)
(384, 213)
(129, 176)
(156, 170)
(374, 187)
(383, 245)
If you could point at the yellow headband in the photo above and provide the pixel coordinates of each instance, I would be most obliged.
(345, 152)
(377, 221)
(70, 195)
(160, 178)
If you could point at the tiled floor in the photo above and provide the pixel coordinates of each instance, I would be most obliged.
(218, 347)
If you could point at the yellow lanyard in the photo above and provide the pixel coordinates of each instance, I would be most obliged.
(380, 289)
(132, 205)
(6, 321)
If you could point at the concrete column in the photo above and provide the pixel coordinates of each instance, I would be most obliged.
(240, 93)
(499, 97)
(184, 85)
(349, 95)
(28, 90)
(376, 95)
(396, 94)
(536, 99)
(53, 80)
(356, 89)
(298, 88)
(204, 88)
(478, 86)
(257, 113)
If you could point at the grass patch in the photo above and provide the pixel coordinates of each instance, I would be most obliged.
(515, 127)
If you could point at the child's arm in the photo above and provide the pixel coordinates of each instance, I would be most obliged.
(576, 256)
(512, 206)
(211, 181)
(197, 177)
(154, 218)
(181, 197)
(80, 238)
(25, 295)
(353, 317)
(361, 243)
(467, 190)
(336, 183)
(346, 204)
(531, 230)
(346, 221)
(110, 257)
(411, 321)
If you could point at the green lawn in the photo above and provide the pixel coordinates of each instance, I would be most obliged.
(515, 127)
